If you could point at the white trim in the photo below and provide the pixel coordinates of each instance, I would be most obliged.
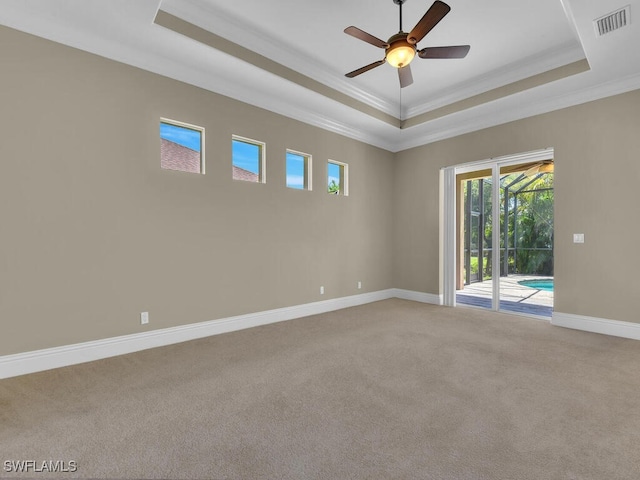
(418, 296)
(308, 169)
(499, 112)
(496, 233)
(344, 182)
(50, 358)
(449, 229)
(572, 22)
(525, 68)
(189, 126)
(215, 19)
(262, 170)
(526, 157)
(39, 360)
(604, 326)
(286, 98)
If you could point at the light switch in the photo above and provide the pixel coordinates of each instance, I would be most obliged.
(578, 238)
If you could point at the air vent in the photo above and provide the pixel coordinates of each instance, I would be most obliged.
(612, 21)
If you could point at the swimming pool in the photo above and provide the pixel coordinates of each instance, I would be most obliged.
(539, 284)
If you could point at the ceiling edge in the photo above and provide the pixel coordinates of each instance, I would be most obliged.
(487, 115)
(199, 34)
(528, 83)
(527, 67)
(259, 41)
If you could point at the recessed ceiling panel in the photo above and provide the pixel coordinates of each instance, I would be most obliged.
(510, 40)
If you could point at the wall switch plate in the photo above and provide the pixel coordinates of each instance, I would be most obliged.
(359, 285)
(321, 290)
(578, 238)
(144, 318)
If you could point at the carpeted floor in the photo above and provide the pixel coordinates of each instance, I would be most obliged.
(389, 390)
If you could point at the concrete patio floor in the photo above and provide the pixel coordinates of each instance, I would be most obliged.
(513, 296)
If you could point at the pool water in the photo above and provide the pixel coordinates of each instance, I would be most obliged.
(541, 284)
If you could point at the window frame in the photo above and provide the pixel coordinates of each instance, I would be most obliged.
(344, 178)
(262, 161)
(189, 126)
(307, 181)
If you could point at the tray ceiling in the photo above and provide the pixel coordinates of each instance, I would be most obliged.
(290, 57)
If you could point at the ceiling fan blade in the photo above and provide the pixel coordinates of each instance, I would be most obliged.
(366, 68)
(406, 78)
(365, 37)
(430, 19)
(458, 51)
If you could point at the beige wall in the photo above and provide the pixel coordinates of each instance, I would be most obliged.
(597, 177)
(94, 232)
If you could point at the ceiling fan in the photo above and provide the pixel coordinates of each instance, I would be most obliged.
(401, 48)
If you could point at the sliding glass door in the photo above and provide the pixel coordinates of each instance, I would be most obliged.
(498, 234)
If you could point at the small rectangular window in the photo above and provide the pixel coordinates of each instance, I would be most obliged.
(298, 170)
(337, 178)
(248, 159)
(181, 146)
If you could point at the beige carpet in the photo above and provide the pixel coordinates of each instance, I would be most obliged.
(389, 390)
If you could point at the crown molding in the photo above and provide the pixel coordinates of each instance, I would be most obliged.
(208, 17)
(513, 108)
(247, 57)
(525, 68)
(306, 108)
(144, 48)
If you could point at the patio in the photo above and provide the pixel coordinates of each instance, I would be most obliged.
(514, 297)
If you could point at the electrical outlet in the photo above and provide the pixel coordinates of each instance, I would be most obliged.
(359, 285)
(144, 318)
(321, 290)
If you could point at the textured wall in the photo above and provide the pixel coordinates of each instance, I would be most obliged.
(597, 173)
(93, 231)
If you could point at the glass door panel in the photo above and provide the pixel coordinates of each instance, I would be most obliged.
(476, 218)
(526, 238)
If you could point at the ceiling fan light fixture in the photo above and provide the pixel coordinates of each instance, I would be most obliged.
(402, 47)
(400, 53)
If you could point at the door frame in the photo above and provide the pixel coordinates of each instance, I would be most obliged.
(449, 223)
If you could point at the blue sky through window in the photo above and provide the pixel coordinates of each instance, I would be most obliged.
(295, 171)
(246, 156)
(333, 173)
(187, 137)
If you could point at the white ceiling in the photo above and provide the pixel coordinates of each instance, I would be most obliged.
(510, 40)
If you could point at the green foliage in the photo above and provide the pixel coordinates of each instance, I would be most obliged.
(530, 223)
(481, 212)
(474, 268)
(334, 187)
(531, 227)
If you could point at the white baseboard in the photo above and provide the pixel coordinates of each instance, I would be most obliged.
(46, 359)
(418, 296)
(597, 325)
